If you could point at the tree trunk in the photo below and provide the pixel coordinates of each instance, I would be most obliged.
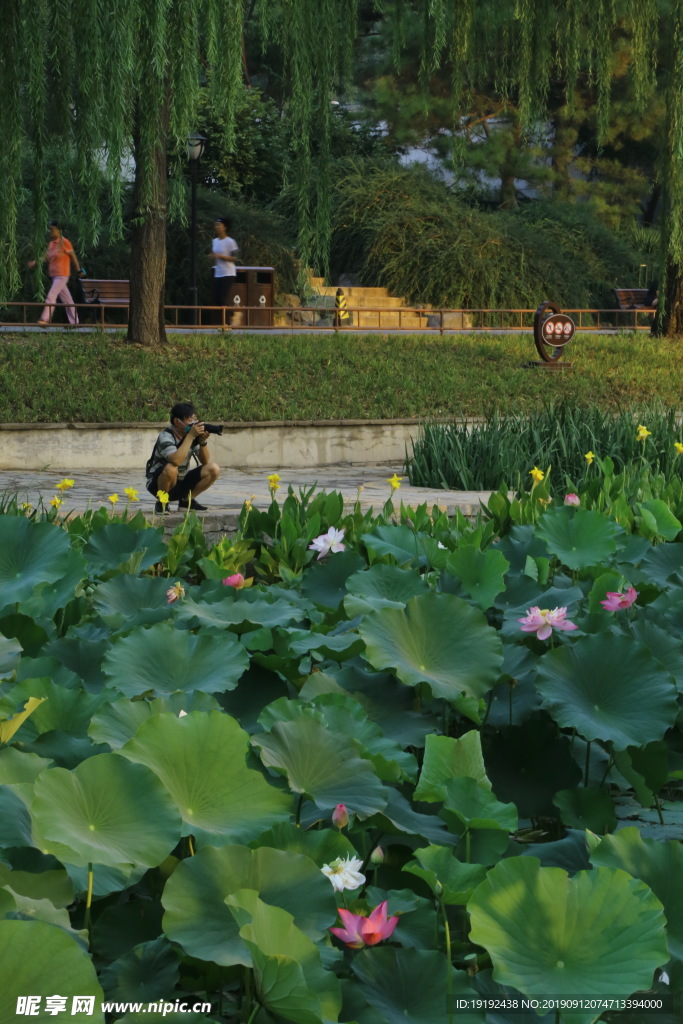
(670, 323)
(148, 244)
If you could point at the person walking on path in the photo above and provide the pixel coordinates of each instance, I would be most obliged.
(60, 257)
(223, 255)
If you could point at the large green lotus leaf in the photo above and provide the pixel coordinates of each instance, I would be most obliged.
(117, 546)
(107, 811)
(473, 806)
(386, 701)
(321, 845)
(321, 765)
(663, 565)
(406, 546)
(448, 878)
(53, 885)
(548, 934)
(10, 656)
(16, 821)
(26, 908)
(446, 758)
(147, 973)
(665, 646)
(528, 764)
(439, 639)
(658, 864)
(127, 601)
(41, 960)
(48, 597)
(382, 586)
(325, 582)
(608, 688)
(659, 520)
(481, 573)
(162, 659)
(338, 645)
(586, 808)
(409, 986)
(82, 651)
(230, 607)
(399, 818)
(117, 721)
(345, 716)
(31, 554)
(201, 760)
(290, 978)
(578, 537)
(66, 710)
(198, 919)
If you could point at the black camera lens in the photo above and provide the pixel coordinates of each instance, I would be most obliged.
(213, 428)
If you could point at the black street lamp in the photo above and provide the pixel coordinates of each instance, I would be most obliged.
(195, 148)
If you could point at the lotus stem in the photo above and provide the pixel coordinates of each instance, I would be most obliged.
(298, 810)
(588, 762)
(449, 974)
(253, 1013)
(658, 805)
(88, 904)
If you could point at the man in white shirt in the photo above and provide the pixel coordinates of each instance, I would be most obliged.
(223, 254)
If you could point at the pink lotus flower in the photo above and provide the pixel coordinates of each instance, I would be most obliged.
(340, 816)
(572, 499)
(614, 600)
(362, 931)
(175, 593)
(237, 581)
(326, 542)
(542, 621)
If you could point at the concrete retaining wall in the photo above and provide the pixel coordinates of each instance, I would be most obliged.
(102, 446)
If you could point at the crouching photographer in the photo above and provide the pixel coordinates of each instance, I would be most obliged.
(168, 467)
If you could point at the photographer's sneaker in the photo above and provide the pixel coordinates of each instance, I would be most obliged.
(161, 508)
(193, 505)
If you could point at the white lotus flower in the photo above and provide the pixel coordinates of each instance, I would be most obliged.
(344, 874)
(326, 542)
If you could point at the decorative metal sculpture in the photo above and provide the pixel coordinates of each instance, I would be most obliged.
(553, 329)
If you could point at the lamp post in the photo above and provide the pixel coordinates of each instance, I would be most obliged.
(195, 148)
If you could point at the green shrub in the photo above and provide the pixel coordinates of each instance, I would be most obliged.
(503, 449)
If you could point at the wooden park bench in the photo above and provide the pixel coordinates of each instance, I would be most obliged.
(631, 298)
(106, 292)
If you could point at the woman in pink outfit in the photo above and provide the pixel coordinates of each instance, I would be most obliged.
(60, 256)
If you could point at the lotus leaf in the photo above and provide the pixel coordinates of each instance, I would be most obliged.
(608, 688)
(450, 880)
(107, 811)
(481, 573)
(446, 758)
(31, 554)
(116, 546)
(162, 659)
(658, 864)
(579, 537)
(438, 639)
(41, 960)
(290, 977)
(201, 760)
(322, 766)
(382, 586)
(198, 919)
(547, 934)
(388, 979)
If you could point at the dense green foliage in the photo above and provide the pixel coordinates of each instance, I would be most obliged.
(403, 229)
(502, 449)
(174, 745)
(90, 378)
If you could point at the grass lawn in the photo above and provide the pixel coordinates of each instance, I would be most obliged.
(93, 378)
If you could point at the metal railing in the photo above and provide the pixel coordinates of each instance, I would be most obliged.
(305, 318)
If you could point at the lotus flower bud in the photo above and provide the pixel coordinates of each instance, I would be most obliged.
(377, 855)
(340, 816)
